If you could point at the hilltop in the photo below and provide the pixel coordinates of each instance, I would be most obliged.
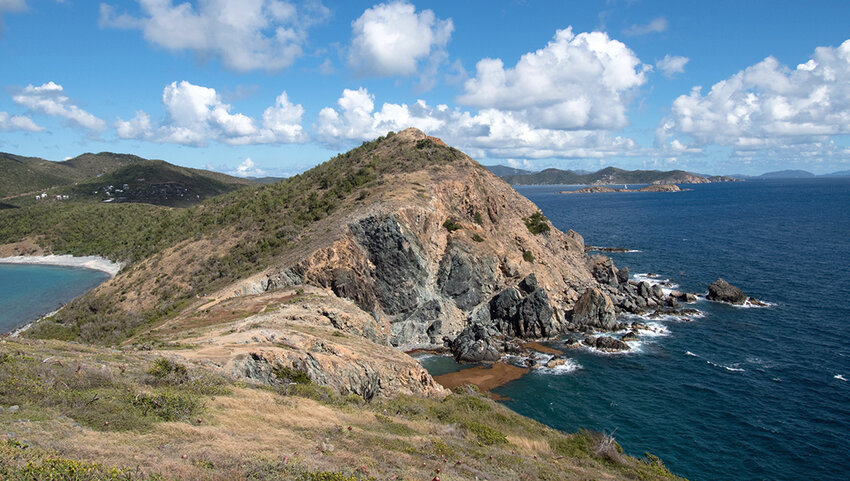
(109, 177)
(22, 175)
(323, 279)
(606, 176)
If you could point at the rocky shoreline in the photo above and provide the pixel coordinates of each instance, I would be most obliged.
(598, 321)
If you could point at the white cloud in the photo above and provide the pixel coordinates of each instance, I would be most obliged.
(10, 123)
(246, 35)
(490, 133)
(50, 99)
(576, 82)
(393, 39)
(248, 169)
(768, 106)
(197, 115)
(672, 64)
(656, 25)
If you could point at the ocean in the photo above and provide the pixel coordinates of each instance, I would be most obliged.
(739, 393)
(28, 292)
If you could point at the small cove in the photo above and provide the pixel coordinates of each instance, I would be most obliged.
(28, 291)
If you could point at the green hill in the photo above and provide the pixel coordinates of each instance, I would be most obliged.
(156, 182)
(23, 175)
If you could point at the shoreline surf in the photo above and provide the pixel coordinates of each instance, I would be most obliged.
(85, 262)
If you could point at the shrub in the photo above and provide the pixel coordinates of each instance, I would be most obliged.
(477, 238)
(478, 219)
(288, 375)
(451, 225)
(536, 223)
(163, 368)
(485, 434)
(527, 256)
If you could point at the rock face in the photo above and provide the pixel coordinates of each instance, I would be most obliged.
(594, 309)
(722, 291)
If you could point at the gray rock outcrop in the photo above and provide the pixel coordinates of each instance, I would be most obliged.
(594, 309)
(476, 343)
(722, 291)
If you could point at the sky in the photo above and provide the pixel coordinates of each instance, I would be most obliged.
(272, 88)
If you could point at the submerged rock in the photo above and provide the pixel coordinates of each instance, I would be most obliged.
(722, 291)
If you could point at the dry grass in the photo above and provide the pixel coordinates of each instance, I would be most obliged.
(257, 433)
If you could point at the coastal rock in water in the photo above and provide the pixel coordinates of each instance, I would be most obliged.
(476, 343)
(603, 270)
(595, 309)
(623, 275)
(629, 336)
(722, 291)
(606, 343)
(523, 311)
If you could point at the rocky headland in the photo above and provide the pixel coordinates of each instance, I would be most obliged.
(275, 320)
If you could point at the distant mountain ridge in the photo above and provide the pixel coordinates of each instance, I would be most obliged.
(607, 176)
(19, 174)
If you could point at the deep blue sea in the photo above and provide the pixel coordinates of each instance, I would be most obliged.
(27, 292)
(741, 393)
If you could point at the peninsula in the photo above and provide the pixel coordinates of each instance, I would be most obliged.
(263, 330)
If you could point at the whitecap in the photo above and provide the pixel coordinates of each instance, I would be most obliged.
(839, 377)
(689, 353)
(567, 367)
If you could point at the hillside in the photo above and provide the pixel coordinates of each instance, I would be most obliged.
(609, 176)
(156, 182)
(103, 177)
(323, 279)
(23, 175)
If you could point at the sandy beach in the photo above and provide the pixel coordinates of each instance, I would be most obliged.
(87, 262)
(485, 377)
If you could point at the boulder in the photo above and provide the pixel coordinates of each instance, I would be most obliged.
(645, 289)
(606, 343)
(623, 275)
(657, 292)
(596, 310)
(524, 311)
(722, 291)
(629, 336)
(603, 270)
(476, 343)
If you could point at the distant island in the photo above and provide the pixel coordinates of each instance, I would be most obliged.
(614, 176)
(601, 189)
(606, 176)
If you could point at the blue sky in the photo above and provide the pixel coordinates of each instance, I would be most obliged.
(268, 87)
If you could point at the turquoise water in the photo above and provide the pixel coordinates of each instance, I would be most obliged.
(27, 292)
(741, 393)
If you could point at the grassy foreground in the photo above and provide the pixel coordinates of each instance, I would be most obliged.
(90, 413)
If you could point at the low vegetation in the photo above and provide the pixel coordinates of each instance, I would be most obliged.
(178, 421)
(537, 223)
